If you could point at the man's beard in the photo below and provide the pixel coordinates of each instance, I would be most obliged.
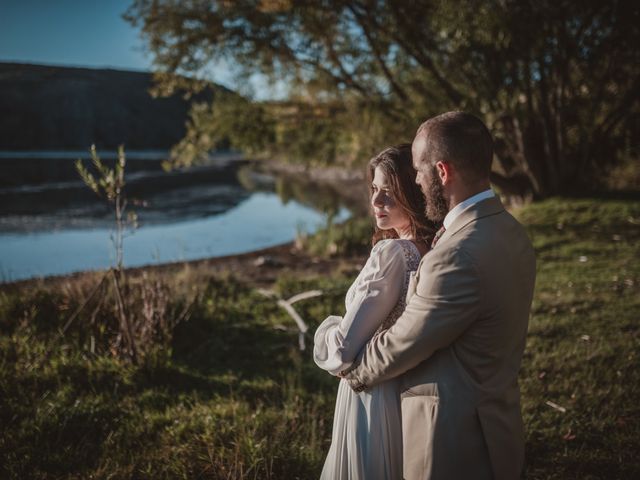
(437, 206)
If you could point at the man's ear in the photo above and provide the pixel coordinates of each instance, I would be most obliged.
(445, 172)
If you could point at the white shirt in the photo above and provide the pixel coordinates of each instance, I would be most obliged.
(457, 210)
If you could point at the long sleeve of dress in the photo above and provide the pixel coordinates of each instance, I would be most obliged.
(376, 291)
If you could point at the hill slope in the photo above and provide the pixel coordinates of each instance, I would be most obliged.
(62, 108)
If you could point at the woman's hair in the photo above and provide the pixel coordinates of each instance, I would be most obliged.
(395, 162)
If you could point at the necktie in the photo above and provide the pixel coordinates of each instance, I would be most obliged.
(439, 234)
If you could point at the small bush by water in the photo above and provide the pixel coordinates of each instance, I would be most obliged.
(352, 237)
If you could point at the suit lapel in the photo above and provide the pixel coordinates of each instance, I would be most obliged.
(484, 208)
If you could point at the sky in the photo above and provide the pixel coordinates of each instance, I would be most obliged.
(85, 33)
(89, 33)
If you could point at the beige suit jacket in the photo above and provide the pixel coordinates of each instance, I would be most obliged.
(458, 347)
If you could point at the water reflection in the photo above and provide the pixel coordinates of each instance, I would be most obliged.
(157, 196)
(61, 227)
(260, 220)
(326, 198)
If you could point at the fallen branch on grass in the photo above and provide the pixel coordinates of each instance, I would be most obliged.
(288, 306)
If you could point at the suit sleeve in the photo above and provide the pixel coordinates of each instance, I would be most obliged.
(338, 340)
(445, 303)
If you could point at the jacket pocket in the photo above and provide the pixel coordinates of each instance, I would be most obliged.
(422, 390)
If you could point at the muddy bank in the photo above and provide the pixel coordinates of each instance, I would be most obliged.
(259, 268)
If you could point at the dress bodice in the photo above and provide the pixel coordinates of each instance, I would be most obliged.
(412, 258)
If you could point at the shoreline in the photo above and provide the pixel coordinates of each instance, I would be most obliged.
(258, 268)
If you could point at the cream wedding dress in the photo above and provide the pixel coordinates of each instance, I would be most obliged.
(366, 443)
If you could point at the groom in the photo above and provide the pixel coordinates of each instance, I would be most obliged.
(457, 347)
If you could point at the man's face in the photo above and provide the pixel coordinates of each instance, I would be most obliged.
(429, 181)
(417, 149)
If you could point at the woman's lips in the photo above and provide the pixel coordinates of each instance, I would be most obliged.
(380, 215)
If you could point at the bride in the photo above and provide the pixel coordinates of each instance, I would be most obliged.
(367, 428)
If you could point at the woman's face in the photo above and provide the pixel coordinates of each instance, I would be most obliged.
(387, 212)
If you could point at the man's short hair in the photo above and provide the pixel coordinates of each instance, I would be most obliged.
(461, 139)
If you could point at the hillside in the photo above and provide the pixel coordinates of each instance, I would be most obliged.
(64, 108)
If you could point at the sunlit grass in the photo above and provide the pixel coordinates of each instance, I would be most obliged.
(230, 395)
(584, 340)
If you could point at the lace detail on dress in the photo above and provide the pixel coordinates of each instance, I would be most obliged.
(412, 259)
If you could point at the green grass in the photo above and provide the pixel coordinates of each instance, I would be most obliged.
(230, 395)
(584, 340)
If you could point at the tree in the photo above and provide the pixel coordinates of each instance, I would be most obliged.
(557, 81)
(229, 120)
(110, 185)
(145, 319)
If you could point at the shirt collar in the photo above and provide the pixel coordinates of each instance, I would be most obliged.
(457, 210)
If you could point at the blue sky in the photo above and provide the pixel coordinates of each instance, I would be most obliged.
(89, 33)
(70, 32)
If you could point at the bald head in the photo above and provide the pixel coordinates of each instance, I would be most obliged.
(457, 138)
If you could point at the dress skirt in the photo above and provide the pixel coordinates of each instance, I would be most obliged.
(367, 435)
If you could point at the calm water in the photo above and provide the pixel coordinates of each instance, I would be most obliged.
(58, 228)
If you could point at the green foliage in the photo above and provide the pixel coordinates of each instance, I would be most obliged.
(230, 121)
(110, 185)
(231, 396)
(352, 237)
(556, 81)
(310, 140)
(624, 177)
(292, 132)
(110, 182)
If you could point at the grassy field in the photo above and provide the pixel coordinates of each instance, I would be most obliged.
(228, 394)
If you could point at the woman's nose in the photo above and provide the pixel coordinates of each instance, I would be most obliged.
(376, 199)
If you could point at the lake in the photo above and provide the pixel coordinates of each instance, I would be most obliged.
(59, 226)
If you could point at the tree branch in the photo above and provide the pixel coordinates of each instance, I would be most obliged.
(377, 54)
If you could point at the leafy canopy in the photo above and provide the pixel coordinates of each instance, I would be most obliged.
(557, 81)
